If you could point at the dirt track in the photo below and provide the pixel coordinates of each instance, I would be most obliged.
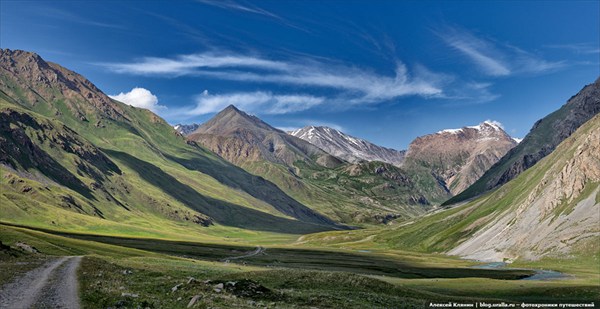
(53, 285)
(257, 251)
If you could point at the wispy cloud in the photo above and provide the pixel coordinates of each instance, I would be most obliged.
(578, 48)
(252, 9)
(359, 85)
(73, 18)
(231, 5)
(493, 58)
(253, 102)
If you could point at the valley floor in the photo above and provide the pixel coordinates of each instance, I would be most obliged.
(129, 272)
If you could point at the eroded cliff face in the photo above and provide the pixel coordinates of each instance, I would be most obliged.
(562, 209)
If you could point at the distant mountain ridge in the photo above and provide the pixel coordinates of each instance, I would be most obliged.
(186, 129)
(458, 157)
(347, 147)
(543, 138)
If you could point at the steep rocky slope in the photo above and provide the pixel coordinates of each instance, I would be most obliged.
(347, 147)
(458, 157)
(71, 156)
(543, 138)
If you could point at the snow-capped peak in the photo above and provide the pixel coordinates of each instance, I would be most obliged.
(518, 140)
(347, 147)
(484, 126)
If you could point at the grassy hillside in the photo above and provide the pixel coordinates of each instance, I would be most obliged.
(101, 164)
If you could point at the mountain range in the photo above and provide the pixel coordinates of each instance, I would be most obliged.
(186, 129)
(348, 192)
(74, 159)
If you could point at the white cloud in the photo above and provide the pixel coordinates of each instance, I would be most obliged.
(496, 123)
(140, 97)
(252, 102)
(496, 59)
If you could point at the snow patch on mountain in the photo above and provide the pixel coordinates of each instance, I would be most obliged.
(349, 148)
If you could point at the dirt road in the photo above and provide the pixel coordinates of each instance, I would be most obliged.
(53, 285)
(257, 251)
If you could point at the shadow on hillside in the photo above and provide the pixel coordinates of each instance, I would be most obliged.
(258, 187)
(224, 213)
(18, 149)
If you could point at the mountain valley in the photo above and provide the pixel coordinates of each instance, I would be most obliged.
(234, 212)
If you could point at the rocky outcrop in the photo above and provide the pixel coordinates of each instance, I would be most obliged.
(543, 138)
(458, 157)
(347, 147)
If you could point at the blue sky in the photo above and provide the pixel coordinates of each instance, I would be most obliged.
(386, 71)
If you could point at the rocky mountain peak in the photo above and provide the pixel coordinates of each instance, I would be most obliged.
(48, 83)
(458, 157)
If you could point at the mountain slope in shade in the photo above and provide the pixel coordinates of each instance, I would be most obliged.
(543, 138)
(71, 156)
(351, 193)
(186, 129)
(347, 147)
(458, 157)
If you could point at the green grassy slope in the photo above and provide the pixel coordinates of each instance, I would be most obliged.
(103, 165)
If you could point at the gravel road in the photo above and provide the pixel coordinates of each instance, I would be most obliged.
(53, 285)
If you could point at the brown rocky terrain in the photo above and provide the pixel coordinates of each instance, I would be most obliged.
(458, 157)
(241, 139)
(47, 82)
